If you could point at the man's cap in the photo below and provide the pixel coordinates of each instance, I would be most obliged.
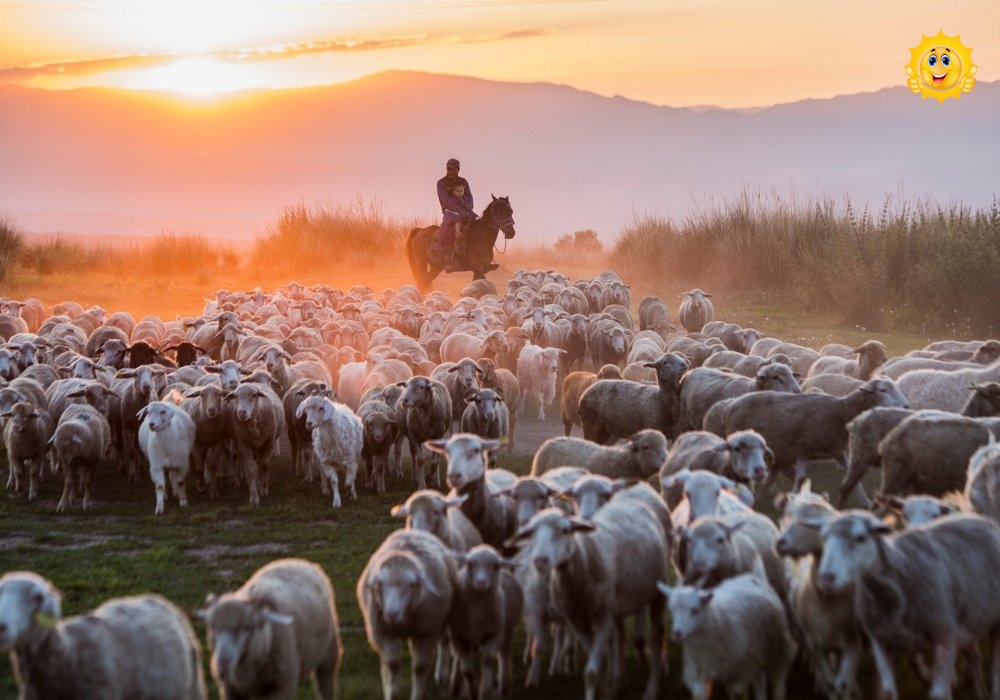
(453, 163)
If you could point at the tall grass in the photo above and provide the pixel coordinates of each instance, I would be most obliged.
(11, 244)
(918, 266)
(356, 235)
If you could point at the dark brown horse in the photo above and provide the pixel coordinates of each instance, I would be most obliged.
(480, 237)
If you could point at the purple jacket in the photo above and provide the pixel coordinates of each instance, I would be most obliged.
(463, 206)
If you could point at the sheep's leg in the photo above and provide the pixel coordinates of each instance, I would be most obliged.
(69, 489)
(325, 676)
(780, 682)
(886, 674)
(350, 478)
(974, 671)
(177, 484)
(603, 636)
(416, 460)
(487, 674)
(381, 464)
(249, 462)
(156, 474)
(657, 656)
(845, 682)
(995, 662)
(944, 669)
(391, 658)
(330, 473)
(422, 655)
(801, 464)
(536, 647)
(34, 476)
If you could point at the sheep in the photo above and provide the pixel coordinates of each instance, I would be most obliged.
(929, 453)
(896, 367)
(505, 383)
(735, 633)
(696, 351)
(616, 408)
(702, 387)
(205, 406)
(828, 623)
(485, 610)
(720, 547)
(982, 486)
(486, 415)
(734, 337)
(916, 510)
(337, 440)
(276, 630)
(600, 572)
(984, 401)
(802, 357)
(800, 427)
(380, 431)
(457, 346)
(640, 458)
(871, 356)
(704, 493)
(80, 442)
(488, 506)
(166, 438)
(257, 420)
(573, 387)
(608, 341)
(135, 648)
(26, 435)
(573, 339)
(695, 310)
(832, 384)
(460, 378)
(299, 438)
(136, 388)
(433, 512)
(427, 414)
(536, 372)
(945, 391)
(405, 593)
(532, 494)
(743, 455)
(919, 585)
(652, 310)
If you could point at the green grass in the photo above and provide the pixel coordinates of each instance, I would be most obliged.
(120, 548)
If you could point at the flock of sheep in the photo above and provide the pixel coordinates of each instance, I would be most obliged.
(684, 429)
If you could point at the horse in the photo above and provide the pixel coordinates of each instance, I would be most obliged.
(480, 237)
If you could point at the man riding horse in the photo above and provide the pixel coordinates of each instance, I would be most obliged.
(455, 197)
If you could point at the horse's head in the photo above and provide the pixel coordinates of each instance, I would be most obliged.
(501, 215)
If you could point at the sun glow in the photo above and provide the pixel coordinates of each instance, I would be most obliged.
(197, 77)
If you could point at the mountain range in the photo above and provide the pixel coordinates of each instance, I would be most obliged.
(100, 161)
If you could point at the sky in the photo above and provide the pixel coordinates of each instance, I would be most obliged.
(729, 53)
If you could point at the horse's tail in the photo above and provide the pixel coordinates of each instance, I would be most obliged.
(418, 265)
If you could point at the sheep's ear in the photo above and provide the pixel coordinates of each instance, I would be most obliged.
(781, 500)
(457, 501)
(664, 588)
(400, 511)
(580, 525)
(142, 413)
(277, 618)
(490, 445)
(453, 369)
(439, 446)
(806, 487)
(732, 528)
(621, 484)
(769, 458)
(744, 494)
(428, 585)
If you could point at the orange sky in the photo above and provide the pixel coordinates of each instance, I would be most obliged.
(732, 53)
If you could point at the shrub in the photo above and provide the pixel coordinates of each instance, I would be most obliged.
(11, 245)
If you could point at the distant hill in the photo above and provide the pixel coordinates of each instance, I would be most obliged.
(122, 162)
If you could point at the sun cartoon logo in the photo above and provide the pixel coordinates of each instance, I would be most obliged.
(940, 67)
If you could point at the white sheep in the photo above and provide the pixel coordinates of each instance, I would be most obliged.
(870, 356)
(405, 592)
(80, 443)
(720, 547)
(828, 622)
(488, 504)
(485, 610)
(921, 584)
(536, 372)
(601, 572)
(337, 439)
(640, 458)
(735, 633)
(695, 310)
(166, 438)
(705, 493)
(278, 629)
(137, 648)
(743, 455)
(945, 391)
(433, 512)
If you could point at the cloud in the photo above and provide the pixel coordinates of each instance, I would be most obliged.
(22, 75)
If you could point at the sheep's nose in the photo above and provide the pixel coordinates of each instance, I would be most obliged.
(826, 581)
(759, 474)
(541, 563)
(677, 636)
(781, 545)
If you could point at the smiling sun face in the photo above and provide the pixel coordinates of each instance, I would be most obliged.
(940, 68)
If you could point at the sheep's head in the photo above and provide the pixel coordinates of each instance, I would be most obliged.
(29, 607)
(483, 567)
(467, 456)
(231, 623)
(397, 586)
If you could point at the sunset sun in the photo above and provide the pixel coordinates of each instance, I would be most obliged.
(196, 76)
